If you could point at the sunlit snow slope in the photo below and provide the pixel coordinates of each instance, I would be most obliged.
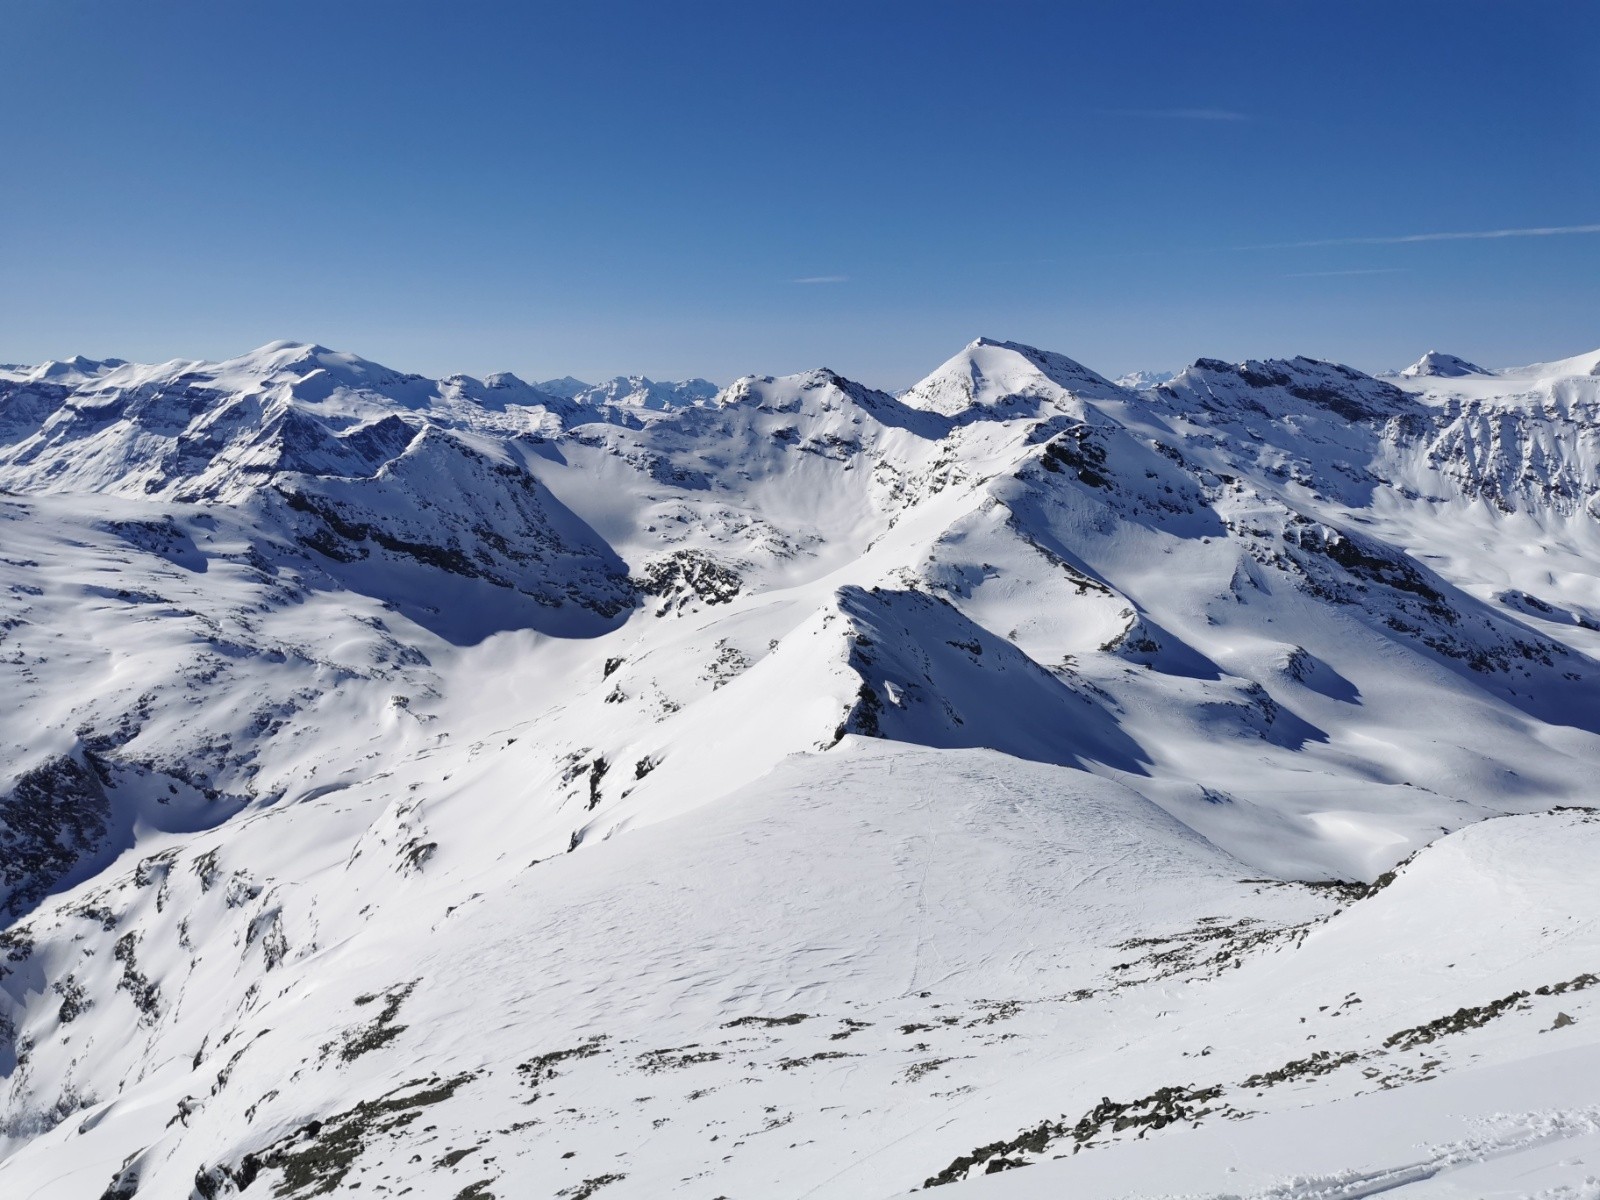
(464, 788)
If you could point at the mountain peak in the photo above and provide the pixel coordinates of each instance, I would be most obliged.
(76, 369)
(1284, 385)
(1444, 366)
(284, 357)
(567, 386)
(989, 373)
(1144, 381)
(503, 379)
(1058, 368)
(634, 391)
(280, 346)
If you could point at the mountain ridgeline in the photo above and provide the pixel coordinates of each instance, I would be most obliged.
(346, 701)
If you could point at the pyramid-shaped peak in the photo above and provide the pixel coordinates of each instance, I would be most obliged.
(1444, 366)
(567, 386)
(989, 373)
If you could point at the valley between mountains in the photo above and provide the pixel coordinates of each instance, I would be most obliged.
(1029, 785)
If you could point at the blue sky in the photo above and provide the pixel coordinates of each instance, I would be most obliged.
(598, 188)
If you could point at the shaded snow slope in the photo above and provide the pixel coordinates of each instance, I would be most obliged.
(493, 788)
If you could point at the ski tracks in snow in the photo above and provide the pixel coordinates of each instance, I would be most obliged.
(1504, 1136)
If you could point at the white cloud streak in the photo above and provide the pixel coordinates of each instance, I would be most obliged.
(1362, 271)
(1473, 235)
(822, 279)
(1182, 114)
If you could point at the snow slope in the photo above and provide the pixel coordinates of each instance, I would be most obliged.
(484, 788)
(1494, 1098)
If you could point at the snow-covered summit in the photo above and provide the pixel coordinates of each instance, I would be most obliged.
(1442, 366)
(72, 371)
(634, 390)
(1144, 381)
(1004, 378)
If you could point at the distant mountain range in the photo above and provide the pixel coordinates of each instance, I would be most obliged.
(633, 390)
(469, 787)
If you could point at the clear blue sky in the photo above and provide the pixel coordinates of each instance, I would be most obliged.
(596, 188)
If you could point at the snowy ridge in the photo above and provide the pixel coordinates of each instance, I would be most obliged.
(491, 788)
(633, 391)
(1143, 381)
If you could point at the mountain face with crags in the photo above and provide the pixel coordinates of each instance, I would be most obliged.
(468, 788)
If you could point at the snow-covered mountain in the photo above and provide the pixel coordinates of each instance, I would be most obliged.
(1143, 381)
(473, 788)
(634, 390)
(1444, 366)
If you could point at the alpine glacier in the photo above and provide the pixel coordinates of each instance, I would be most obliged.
(464, 788)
